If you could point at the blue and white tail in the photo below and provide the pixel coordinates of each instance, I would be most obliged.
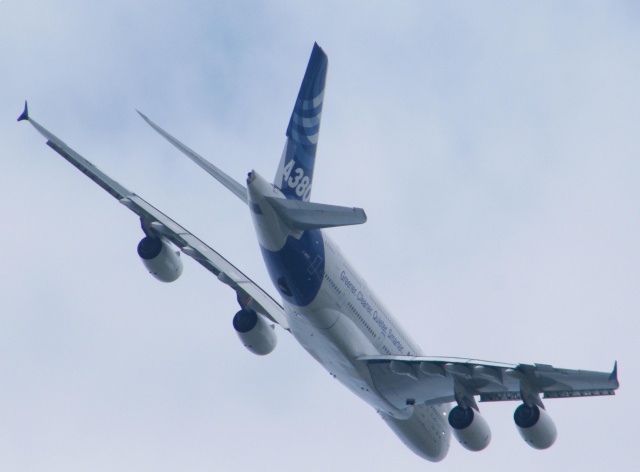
(295, 172)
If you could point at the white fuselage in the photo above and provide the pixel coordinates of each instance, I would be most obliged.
(343, 322)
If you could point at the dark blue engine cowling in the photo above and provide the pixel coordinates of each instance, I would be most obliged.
(245, 320)
(149, 247)
(526, 416)
(460, 418)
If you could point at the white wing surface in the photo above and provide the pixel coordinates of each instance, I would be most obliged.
(405, 380)
(153, 220)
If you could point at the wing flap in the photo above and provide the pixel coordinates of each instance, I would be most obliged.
(402, 379)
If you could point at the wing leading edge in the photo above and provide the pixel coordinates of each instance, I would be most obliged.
(238, 190)
(405, 380)
(153, 220)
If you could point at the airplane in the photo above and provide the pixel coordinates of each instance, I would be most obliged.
(330, 310)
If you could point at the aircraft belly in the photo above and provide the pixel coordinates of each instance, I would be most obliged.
(426, 433)
(336, 349)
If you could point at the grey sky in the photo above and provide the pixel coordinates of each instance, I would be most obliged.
(494, 148)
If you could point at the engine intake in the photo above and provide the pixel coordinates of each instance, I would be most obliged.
(160, 259)
(535, 426)
(470, 428)
(255, 332)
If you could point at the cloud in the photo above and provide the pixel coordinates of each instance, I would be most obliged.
(493, 147)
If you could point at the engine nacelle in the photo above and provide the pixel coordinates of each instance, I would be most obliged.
(255, 332)
(470, 428)
(535, 426)
(160, 259)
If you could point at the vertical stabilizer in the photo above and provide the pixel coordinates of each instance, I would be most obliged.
(295, 172)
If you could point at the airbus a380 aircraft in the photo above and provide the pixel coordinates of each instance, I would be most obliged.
(330, 310)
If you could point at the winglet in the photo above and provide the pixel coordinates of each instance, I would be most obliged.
(614, 373)
(25, 113)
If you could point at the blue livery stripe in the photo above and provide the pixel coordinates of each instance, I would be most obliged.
(297, 270)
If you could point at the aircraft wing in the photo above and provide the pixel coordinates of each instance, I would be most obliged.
(406, 380)
(156, 222)
(237, 189)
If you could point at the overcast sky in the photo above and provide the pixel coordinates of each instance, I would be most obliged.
(494, 146)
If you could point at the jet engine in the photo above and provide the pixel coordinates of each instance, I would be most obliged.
(161, 260)
(470, 428)
(535, 426)
(255, 332)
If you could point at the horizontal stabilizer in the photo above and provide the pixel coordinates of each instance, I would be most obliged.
(307, 215)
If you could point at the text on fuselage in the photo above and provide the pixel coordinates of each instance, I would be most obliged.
(377, 318)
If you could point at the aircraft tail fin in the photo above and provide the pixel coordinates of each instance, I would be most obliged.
(295, 172)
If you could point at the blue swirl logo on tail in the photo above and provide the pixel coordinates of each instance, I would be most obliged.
(295, 172)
